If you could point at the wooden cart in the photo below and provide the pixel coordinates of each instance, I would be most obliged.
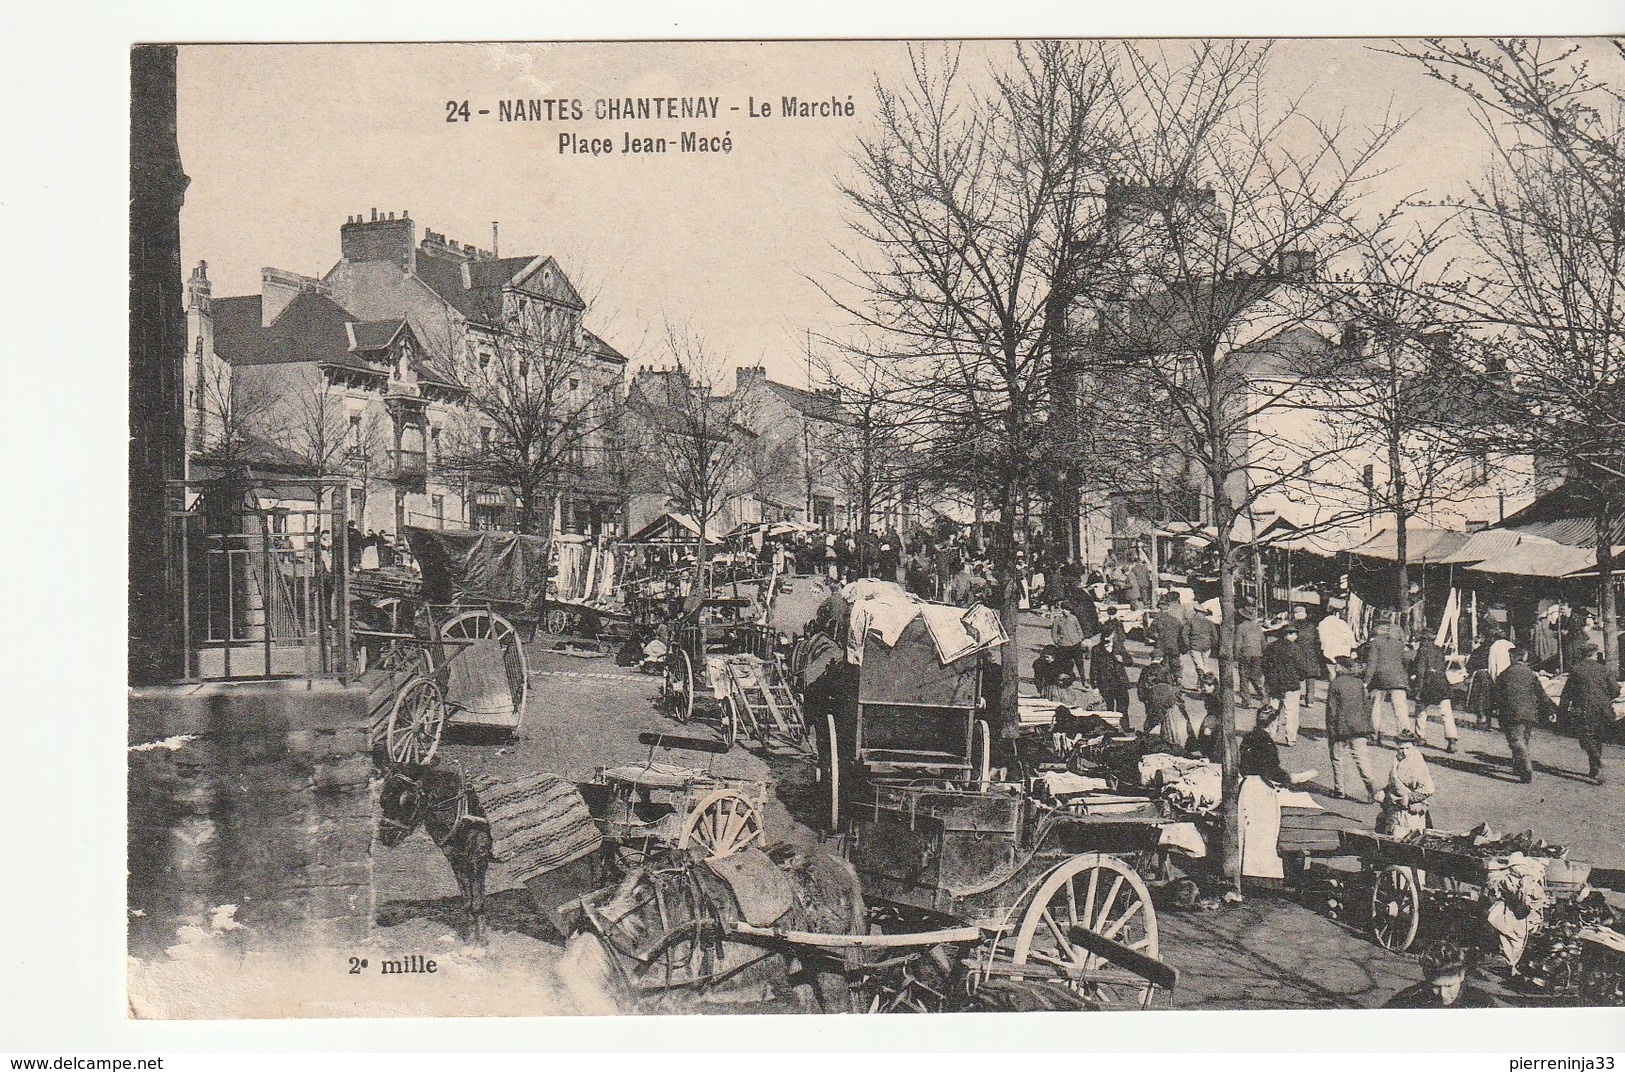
(443, 647)
(643, 808)
(1407, 878)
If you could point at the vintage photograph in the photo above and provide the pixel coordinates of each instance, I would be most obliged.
(875, 526)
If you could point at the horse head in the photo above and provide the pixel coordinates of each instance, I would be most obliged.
(404, 803)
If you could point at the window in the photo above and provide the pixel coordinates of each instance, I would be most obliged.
(434, 445)
(1481, 469)
(575, 385)
(485, 437)
(355, 433)
(485, 359)
(524, 368)
(438, 504)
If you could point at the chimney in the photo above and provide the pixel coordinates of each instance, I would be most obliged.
(279, 288)
(381, 237)
(496, 250)
(198, 289)
(748, 374)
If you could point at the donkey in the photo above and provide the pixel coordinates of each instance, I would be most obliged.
(446, 806)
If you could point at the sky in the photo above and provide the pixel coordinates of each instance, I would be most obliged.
(283, 143)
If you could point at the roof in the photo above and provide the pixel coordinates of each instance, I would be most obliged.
(1480, 546)
(1174, 320)
(1421, 545)
(670, 527)
(375, 334)
(1534, 557)
(601, 349)
(312, 329)
(474, 287)
(1565, 515)
(809, 403)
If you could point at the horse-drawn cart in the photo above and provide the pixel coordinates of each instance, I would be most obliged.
(443, 647)
(731, 671)
(643, 808)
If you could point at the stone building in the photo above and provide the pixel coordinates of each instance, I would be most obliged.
(402, 368)
(317, 390)
(495, 323)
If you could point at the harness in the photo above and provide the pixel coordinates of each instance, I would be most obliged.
(459, 818)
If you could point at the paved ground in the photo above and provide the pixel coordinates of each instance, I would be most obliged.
(1266, 952)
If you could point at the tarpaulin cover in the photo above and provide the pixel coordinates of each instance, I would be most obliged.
(911, 673)
(472, 567)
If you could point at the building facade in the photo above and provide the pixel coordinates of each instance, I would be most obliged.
(443, 381)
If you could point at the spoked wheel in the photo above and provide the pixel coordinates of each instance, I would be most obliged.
(721, 824)
(829, 776)
(484, 624)
(729, 726)
(412, 733)
(1396, 908)
(1099, 893)
(410, 657)
(677, 685)
(557, 621)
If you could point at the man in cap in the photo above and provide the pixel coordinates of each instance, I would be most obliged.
(1587, 705)
(1520, 701)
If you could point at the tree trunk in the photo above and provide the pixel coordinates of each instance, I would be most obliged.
(1009, 597)
(1224, 518)
(1607, 604)
(1402, 557)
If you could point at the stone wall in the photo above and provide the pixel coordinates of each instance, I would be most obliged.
(255, 794)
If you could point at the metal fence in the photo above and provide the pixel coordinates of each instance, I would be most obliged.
(257, 578)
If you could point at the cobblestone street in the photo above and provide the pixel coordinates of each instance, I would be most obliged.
(1269, 951)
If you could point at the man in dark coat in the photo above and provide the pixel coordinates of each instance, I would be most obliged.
(1250, 657)
(1430, 687)
(1520, 702)
(1283, 678)
(1168, 632)
(1307, 646)
(1587, 705)
(1348, 730)
(1386, 679)
(1110, 678)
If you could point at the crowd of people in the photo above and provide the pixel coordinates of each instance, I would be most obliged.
(1387, 690)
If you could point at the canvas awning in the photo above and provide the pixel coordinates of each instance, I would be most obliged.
(1534, 557)
(1481, 547)
(1422, 546)
(670, 528)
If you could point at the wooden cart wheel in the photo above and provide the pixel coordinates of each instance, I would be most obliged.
(557, 621)
(412, 734)
(982, 752)
(1100, 893)
(677, 685)
(722, 823)
(482, 624)
(829, 775)
(1396, 908)
(730, 723)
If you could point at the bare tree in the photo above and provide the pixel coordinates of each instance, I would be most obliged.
(1224, 198)
(1396, 388)
(1548, 222)
(316, 425)
(539, 406)
(239, 417)
(977, 213)
(686, 440)
(863, 447)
